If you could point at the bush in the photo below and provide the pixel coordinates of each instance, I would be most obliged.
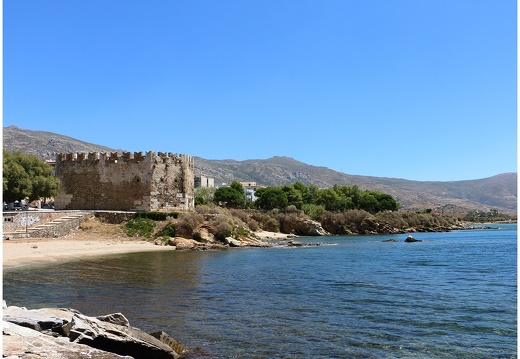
(253, 225)
(240, 232)
(168, 231)
(207, 209)
(141, 227)
(266, 220)
(393, 219)
(222, 229)
(288, 220)
(197, 236)
(314, 211)
(188, 223)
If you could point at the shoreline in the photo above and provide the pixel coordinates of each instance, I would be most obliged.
(22, 252)
(28, 251)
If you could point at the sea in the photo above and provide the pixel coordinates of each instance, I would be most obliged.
(452, 295)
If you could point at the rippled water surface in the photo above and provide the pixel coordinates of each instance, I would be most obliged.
(453, 295)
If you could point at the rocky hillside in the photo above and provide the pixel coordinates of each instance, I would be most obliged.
(45, 144)
(497, 192)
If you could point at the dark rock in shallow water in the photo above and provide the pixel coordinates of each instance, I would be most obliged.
(299, 244)
(411, 239)
(390, 240)
(172, 343)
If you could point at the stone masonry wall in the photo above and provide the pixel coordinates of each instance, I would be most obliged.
(60, 230)
(127, 182)
(31, 222)
(13, 221)
(172, 184)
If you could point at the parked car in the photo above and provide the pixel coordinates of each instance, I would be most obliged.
(47, 206)
(17, 206)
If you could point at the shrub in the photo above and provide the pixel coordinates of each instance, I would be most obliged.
(393, 219)
(239, 232)
(168, 231)
(271, 225)
(142, 227)
(288, 220)
(197, 236)
(266, 220)
(208, 209)
(246, 218)
(222, 230)
(188, 223)
(314, 211)
(253, 225)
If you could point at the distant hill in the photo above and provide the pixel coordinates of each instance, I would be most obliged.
(45, 144)
(498, 192)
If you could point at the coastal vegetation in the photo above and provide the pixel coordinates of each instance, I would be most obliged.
(141, 227)
(215, 223)
(297, 209)
(27, 176)
(488, 217)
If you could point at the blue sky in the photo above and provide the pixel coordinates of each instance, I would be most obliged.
(415, 89)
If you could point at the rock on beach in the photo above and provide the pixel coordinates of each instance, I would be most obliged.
(66, 333)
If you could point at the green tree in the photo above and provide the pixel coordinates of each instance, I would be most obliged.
(230, 196)
(368, 202)
(27, 176)
(327, 197)
(237, 186)
(294, 197)
(311, 195)
(204, 195)
(300, 187)
(386, 202)
(270, 198)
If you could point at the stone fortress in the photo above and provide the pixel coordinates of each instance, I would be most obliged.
(162, 182)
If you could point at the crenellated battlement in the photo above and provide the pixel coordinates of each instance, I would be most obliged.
(115, 157)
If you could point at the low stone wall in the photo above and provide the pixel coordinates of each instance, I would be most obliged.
(60, 229)
(14, 221)
(51, 224)
(115, 217)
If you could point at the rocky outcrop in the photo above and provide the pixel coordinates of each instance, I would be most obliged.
(303, 227)
(66, 333)
(233, 242)
(411, 239)
(117, 338)
(190, 244)
(22, 342)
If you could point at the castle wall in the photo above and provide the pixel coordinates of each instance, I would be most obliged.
(110, 181)
(172, 186)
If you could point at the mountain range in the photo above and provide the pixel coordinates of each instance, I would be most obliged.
(498, 192)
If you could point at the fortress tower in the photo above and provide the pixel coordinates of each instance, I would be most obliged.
(129, 181)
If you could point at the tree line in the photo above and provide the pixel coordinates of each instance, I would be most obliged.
(335, 199)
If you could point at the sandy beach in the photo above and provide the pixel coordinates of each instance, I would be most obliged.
(20, 252)
(96, 241)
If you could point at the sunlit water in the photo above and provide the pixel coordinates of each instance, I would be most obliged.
(453, 295)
